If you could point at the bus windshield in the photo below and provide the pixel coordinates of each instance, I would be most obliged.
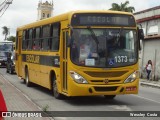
(114, 47)
(6, 46)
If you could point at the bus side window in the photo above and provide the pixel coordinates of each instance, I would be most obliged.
(36, 41)
(24, 40)
(30, 39)
(46, 37)
(55, 37)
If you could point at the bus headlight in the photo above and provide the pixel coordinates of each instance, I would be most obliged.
(78, 78)
(132, 77)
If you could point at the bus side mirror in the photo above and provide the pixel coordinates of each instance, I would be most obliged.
(140, 37)
(68, 40)
(140, 34)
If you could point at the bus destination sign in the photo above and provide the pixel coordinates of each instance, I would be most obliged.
(102, 20)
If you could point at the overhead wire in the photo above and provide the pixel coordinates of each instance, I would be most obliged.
(4, 10)
(2, 3)
(4, 6)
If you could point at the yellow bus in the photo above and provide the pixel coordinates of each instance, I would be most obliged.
(81, 53)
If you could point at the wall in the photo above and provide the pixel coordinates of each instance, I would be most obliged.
(151, 51)
(150, 21)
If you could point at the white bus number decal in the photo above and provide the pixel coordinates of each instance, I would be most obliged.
(120, 59)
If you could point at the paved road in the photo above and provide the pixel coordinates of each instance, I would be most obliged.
(147, 100)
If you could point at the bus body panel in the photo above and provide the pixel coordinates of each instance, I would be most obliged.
(38, 73)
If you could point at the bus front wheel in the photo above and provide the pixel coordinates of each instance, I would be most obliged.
(28, 83)
(57, 95)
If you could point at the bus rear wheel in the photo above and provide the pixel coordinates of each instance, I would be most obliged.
(57, 95)
(27, 81)
(109, 96)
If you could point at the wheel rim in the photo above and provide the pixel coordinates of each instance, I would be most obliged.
(27, 78)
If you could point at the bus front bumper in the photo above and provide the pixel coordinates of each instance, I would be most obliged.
(112, 89)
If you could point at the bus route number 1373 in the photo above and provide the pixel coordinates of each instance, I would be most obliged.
(121, 59)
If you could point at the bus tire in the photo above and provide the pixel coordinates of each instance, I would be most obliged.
(109, 96)
(57, 95)
(27, 81)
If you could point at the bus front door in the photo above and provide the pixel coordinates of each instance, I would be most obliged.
(64, 67)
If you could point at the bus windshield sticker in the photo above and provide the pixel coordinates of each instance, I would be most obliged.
(111, 62)
(90, 62)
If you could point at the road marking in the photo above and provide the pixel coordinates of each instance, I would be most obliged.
(1, 82)
(146, 99)
(121, 107)
(60, 118)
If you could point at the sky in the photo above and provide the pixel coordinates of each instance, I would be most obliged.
(22, 12)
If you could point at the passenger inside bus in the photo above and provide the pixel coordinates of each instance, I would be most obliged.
(87, 49)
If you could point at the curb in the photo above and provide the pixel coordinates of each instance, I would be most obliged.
(149, 84)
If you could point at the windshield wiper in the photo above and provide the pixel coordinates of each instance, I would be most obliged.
(93, 34)
(120, 33)
(94, 38)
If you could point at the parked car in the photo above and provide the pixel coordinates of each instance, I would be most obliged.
(3, 58)
(10, 67)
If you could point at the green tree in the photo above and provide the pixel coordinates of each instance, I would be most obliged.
(11, 38)
(122, 7)
(5, 31)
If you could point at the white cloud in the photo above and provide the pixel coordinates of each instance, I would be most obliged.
(21, 12)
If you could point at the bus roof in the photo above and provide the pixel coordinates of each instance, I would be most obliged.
(66, 16)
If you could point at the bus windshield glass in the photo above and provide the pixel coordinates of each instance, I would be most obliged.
(104, 48)
(6, 46)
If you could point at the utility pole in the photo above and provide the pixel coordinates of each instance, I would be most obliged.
(4, 5)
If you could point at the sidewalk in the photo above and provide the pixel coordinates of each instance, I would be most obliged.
(151, 83)
(17, 101)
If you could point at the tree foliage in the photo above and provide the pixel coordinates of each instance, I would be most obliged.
(5, 31)
(11, 38)
(122, 7)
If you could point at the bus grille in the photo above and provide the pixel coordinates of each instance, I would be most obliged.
(104, 89)
(106, 74)
(102, 82)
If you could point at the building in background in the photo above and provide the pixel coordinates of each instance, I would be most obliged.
(45, 10)
(149, 20)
